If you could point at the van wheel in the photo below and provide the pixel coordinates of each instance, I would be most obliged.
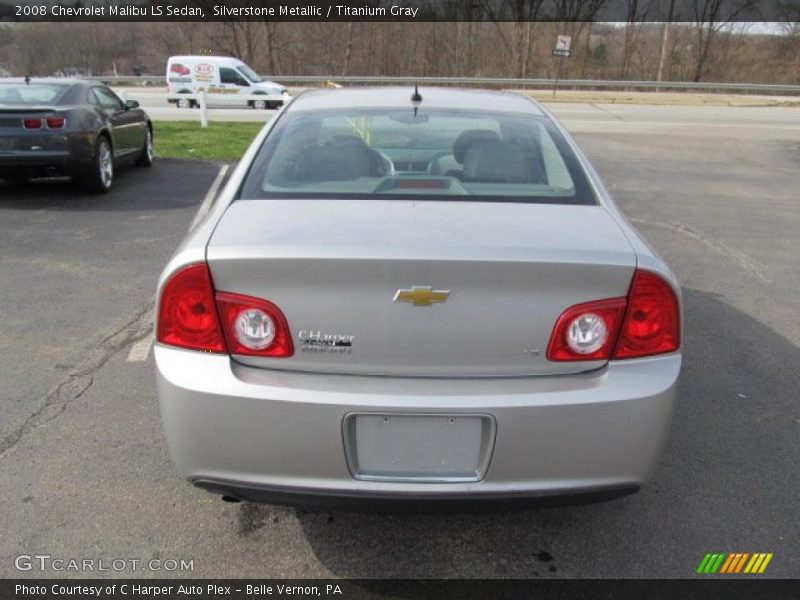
(259, 104)
(185, 103)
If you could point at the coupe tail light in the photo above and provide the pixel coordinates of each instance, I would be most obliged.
(32, 123)
(55, 122)
(645, 323)
(192, 315)
(254, 327)
(187, 317)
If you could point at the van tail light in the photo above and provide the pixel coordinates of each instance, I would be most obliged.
(32, 123)
(254, 327)
(187, 316)
(652, 319)
(55, 122)
(645, 323)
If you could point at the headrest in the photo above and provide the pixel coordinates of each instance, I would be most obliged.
(469, 137)
(502, 162)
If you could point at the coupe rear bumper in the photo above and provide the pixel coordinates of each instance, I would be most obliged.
(279, 436)
(42, 163)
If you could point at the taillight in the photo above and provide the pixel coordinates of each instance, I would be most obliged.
(187, 316)
(586, 331)
(254, 327)
(55, 122)
(652, 319)
(647, 322)
(32, 123)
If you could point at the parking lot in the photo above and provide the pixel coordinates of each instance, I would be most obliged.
(87, 473)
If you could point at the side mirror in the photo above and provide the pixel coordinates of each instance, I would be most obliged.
(129, 104)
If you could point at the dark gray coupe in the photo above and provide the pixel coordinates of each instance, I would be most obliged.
(64, 127)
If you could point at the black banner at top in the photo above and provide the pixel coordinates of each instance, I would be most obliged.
(719, 11)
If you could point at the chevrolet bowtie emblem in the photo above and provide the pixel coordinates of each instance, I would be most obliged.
(421, 296)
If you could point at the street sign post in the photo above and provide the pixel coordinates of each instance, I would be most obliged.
(563, 49)
(563, 46)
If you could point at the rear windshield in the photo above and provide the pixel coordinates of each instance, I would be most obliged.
(31, 94)
(432, 154)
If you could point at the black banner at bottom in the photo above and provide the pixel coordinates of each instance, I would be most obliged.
(423, 589)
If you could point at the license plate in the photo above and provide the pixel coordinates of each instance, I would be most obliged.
(418, 447)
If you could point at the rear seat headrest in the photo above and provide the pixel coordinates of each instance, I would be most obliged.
(502, 162)
(469, 137)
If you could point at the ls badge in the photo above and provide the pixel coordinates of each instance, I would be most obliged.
(421, 296)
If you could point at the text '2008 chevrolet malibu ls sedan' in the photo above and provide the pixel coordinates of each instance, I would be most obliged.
(416, 296)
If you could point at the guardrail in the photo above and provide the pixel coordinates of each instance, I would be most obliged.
(506, 83)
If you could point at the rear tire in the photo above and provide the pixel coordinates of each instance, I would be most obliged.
(145, 159)
(185, 103)
(101, 173)
(260, 104)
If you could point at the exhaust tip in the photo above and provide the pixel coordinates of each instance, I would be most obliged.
(231, 499)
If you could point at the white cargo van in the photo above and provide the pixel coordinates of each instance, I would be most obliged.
(226, 81)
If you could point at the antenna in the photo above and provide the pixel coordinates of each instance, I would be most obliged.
(416, 99)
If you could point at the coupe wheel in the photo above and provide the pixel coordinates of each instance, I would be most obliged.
(101, 175)
(259, 104)
(145, 159)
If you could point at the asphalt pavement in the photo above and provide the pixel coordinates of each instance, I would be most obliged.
(85, 468)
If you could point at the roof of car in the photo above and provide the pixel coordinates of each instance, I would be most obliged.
(432, 97)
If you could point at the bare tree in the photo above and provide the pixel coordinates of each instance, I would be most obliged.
(637, 12)
(709, 17)
(662, 60)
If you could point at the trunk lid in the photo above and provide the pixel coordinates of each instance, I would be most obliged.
(335, 268)
(14, 137)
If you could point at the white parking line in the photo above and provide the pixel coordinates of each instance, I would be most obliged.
(141, 349)
(210, 195)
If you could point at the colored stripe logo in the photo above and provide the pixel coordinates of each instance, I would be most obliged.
(734, 563)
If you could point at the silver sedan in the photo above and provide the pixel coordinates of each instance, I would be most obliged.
(417, 296)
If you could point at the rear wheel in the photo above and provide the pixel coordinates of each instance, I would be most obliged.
(259, 104)
(145, 159)
(185, 103)
(101, 173)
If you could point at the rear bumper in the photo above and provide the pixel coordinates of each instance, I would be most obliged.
(276, 436)
(409, 501)
(44, 163)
